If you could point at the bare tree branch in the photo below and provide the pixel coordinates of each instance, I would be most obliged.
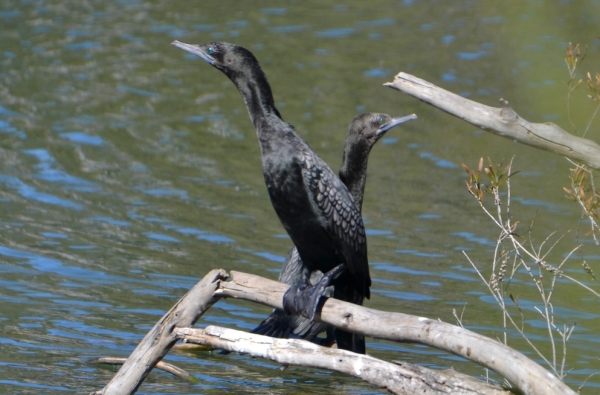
(401, 378)
(521, 372)
(155, 345)
(503, 121)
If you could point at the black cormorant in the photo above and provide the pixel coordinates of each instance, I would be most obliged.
(364, 131)
(314, 206)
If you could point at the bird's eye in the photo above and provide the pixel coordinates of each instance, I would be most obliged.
(381, 121)
(210, 50)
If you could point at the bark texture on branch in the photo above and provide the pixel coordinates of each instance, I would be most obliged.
(524, 374)
(400, 379)
(520, 371)
(503, 121)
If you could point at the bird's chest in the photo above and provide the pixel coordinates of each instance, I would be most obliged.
(286, 187)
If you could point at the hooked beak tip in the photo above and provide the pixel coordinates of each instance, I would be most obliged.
(395, 122)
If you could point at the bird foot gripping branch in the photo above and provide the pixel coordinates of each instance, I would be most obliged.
(305, 299)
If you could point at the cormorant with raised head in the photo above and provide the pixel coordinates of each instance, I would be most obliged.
(313, 205)
(364, 131)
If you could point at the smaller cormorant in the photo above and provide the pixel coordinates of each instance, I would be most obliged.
(364, 131)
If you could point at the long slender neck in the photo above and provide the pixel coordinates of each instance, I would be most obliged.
(256, 91)
(353, 172)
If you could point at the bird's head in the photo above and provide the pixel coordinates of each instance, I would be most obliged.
(231, 59)
(369, 128)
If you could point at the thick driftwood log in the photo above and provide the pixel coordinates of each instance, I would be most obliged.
(520, 371)
(161, 338)
(401, 379)
(503, 121)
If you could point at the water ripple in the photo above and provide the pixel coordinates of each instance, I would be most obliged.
(82, 138)
(29, 192)
(335, 33)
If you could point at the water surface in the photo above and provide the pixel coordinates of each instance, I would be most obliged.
(129, 169)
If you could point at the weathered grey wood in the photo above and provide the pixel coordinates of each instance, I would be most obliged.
(503, 121)
(254, 288)
(402, 379)
(520, 371)
(161, 338)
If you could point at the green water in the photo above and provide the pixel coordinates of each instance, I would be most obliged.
(128, 170)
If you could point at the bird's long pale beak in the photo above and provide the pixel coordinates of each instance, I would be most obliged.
(394, 122)
(194, 49)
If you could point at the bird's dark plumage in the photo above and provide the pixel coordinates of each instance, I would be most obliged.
(314, 206)
(364, 131)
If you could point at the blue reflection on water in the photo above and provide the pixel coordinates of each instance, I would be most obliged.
(33, 385)
(111, 221)
(288, 29)
(555, 208)
(166, 192)
(195, 118)
(448, 39)
(335, 33)
(53, 235)
(429, 216)
(47, 173)
(215, 238)
(50, 265)
(475, 239)
(86, 328)
(5, 126)
(4, 110)
(78, 33)
(378, 232)
(29, 192)
(443, 163)
(448, 77)
(200, 234)
(395, 268)
(530, 305)
(83, 45)
(471, 55)
(10, 14)
(399, 269)
(403, 295)
(270, 256)
(378, 72)
(273, 11)
(139, 92)
(420, 253)
(82, 138)
(376, 22)
(161, 237)
(237, 24)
